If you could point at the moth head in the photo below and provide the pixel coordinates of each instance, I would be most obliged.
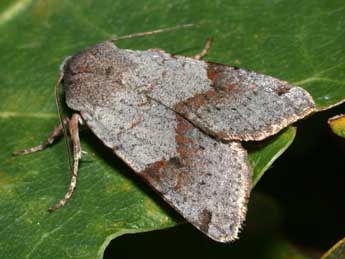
(91, 75)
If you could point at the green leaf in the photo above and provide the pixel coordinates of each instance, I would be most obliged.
(259, 240)
(263, 154)
(337, 124)
(300, 43)
(336, 252)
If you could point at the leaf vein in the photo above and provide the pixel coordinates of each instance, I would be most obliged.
(46, 235)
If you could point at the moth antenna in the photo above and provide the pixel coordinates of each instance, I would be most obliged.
(141, 34)
(58, 108)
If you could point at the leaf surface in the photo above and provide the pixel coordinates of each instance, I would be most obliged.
(300, 43)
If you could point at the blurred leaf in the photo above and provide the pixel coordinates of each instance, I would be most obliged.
(263, 154)
(301, 43)
(337, 125)
(259, 240)
(336, 252)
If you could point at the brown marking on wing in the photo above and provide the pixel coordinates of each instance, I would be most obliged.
(195, 102)
(136, 123)
(283, 89)
(182, 179)
(213, 69)
(214, 96)
(186, 147)
(220, 88)
(205, 218)
(211, 73)
(172, 172)
(229, 88)
(155, 171)
(109, 71)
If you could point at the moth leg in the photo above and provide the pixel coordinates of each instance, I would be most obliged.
(73, 128)
(56, 132)
(205, 50)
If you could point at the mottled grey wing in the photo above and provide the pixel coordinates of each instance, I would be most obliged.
(206, 181)
(245, 105)
(226, 102)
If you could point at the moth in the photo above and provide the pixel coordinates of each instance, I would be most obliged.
(178, 123)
